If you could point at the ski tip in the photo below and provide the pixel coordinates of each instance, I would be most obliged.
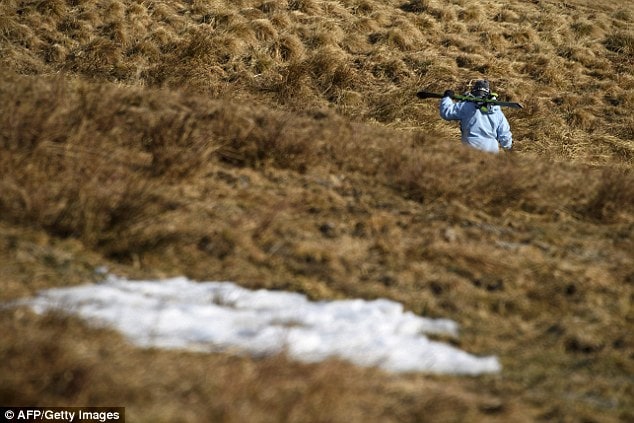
(426, 94)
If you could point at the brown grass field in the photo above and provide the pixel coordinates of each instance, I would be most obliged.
(279, 144)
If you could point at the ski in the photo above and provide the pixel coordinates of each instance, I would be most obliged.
(458, 97)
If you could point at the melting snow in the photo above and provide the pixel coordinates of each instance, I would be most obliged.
(222, 316)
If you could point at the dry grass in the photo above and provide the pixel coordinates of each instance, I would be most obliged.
(280, 145)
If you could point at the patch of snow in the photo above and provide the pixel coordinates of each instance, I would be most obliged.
(222, 316)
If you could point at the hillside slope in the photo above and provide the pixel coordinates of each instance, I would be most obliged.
(279, 144)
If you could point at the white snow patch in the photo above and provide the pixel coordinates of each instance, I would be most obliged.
(222, 316)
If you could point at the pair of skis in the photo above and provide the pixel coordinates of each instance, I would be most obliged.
(426, 94)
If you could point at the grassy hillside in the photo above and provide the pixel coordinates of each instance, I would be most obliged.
(279, 144)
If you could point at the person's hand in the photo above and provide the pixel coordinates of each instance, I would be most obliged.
(448, 93)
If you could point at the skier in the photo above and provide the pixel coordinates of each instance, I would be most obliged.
(483, 125)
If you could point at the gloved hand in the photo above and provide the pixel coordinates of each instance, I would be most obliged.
(448, 93)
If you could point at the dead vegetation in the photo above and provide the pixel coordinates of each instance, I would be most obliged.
(279, 144)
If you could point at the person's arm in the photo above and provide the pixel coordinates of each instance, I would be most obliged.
(448, 109)
(504, 135)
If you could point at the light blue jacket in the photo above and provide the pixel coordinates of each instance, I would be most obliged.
(479, 130)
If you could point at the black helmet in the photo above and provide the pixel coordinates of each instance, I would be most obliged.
(481, 89)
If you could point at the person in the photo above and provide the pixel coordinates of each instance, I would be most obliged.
(483, 126)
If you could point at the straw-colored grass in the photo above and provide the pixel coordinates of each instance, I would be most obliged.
(279, 144)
